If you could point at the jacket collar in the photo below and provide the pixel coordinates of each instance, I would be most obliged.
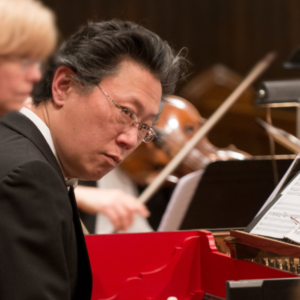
(24, 126)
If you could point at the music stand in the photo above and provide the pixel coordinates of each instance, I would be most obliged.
(230, 193)
(282, 137)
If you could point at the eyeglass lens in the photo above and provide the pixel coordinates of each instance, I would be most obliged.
(145, 133)
(128, 117)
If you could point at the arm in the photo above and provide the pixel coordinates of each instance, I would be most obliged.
(118, 206)
(36, 232)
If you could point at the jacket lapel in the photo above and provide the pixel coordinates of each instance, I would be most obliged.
(21, 124)
(84, 289)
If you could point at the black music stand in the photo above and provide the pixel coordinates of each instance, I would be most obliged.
(230, 194)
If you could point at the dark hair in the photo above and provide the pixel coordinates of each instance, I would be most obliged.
(96, 51)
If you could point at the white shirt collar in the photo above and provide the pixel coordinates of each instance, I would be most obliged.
(42, 127)
(45, 131)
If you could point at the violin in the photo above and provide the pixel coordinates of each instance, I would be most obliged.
(178, 122)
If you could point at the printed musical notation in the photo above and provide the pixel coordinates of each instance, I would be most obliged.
(277, 221)
(294, 234)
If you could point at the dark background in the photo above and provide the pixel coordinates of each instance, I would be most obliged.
(236, 33)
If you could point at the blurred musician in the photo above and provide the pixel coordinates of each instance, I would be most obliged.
(95, 104)
(112, 207)
(28, 36)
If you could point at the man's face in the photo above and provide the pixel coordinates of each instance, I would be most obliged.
(88, 138)
(17, 78)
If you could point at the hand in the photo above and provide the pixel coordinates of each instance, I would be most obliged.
(118, 206)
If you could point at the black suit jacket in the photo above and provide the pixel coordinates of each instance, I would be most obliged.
(42, 248)
(89, 220)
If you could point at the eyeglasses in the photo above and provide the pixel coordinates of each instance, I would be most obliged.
(128, 118)
(25, 62)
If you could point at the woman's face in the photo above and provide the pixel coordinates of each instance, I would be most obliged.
(17, 78)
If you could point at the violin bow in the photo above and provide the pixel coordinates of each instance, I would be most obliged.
(257, 70)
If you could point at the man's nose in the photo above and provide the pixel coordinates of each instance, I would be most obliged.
(129, 138)
(34, 73)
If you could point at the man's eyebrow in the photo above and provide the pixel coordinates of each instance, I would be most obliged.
(137, 103)
(140, 106)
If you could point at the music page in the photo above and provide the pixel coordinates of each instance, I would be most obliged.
(294, 234)
(280, 184)
(277, 222)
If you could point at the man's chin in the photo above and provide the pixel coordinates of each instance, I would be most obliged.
(94, 175)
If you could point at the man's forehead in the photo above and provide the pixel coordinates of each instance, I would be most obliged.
(140, 105)
(131, 71)
(135, 85)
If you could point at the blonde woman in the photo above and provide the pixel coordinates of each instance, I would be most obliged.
(28, 36)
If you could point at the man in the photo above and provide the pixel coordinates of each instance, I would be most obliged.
(95, 103)
(27, 39)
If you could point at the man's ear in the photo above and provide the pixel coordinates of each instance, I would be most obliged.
(61, 85)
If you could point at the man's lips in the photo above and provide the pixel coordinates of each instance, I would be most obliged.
(115, 158)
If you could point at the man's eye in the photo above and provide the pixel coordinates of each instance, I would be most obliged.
(144, 126)
(128, 112)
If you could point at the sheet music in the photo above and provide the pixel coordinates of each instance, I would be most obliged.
(277, 221)
(294, 234)
(293, 188)
(278, 187)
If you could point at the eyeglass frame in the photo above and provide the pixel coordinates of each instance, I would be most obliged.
(150, 128)
(26, 62)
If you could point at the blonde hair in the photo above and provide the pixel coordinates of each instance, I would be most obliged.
(27, 29)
